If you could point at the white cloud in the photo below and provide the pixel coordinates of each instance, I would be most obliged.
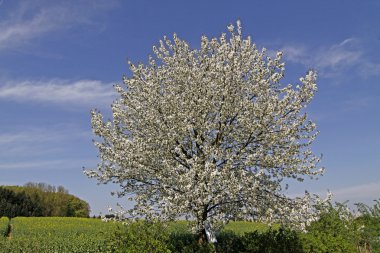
(32, 164)
(370, 68)
(359, 190)
(33, 142)
(298, 54)
(338, 55)
(41, 135)
(49, 147)
(358, 193)
(14, 33)
(82, 92)
(33, 19)
(334, 61)
(46, 164)
(363, 193)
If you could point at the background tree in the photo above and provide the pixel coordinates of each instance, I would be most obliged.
(209, 134)
(40, 199)
(14, 204)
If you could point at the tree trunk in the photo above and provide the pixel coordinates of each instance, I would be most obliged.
(202, 237)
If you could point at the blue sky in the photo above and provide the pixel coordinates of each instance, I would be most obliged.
(60, 59)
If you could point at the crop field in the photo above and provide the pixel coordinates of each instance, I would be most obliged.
(74, 235)
(3, 226)
(57, 234)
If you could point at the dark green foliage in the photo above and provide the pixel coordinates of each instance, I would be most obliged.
(229, 242)
(14, 204)
(178, 241)
(282, 240)
(40, 200)
(333, 232)
(187, 243)
(369, 224)
(338, 230)
(271, 241)
(140, 236)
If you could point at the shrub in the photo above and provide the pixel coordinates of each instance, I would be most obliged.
(179, 241)
(369, 225)
(186, 242)
(281, 240)
(335, 232)
(271, 241)
(229, 242)
(140, 236)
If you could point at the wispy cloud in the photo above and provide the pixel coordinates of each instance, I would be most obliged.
(357, 193)
(32, 164)
(33, 19)
(82, 92)
(364, 193)
(48, 147)
(335, 60)
(342, 54)
(33, 142)
(41, 135)
(16, 32)
(358, 103)
(46, 164)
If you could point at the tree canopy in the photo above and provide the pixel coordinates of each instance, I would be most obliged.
(14, 204)
(210, 134)
(40, 199)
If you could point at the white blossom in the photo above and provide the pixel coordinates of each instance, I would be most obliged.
(210, 134)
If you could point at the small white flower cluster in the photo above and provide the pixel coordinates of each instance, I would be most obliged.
(119, 215)
(209, 134)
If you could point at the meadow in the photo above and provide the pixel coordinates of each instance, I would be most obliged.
(89, 235)
(4, 221)
(56, 234)
(74, 235)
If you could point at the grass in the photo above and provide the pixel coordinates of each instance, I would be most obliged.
(241, 227)
(4, 221)
(63, 234)
(57, 234)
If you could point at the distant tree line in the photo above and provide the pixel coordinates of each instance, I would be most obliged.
(40, 199)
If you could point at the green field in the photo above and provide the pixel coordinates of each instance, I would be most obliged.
(3, 226)
(57, 234)
(64, 234)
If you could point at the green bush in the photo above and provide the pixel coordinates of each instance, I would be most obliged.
(229, 242)
(280, 240)
(369, 226)
(335, 231)
(186, 242)
(140, 236)
(181, 240)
